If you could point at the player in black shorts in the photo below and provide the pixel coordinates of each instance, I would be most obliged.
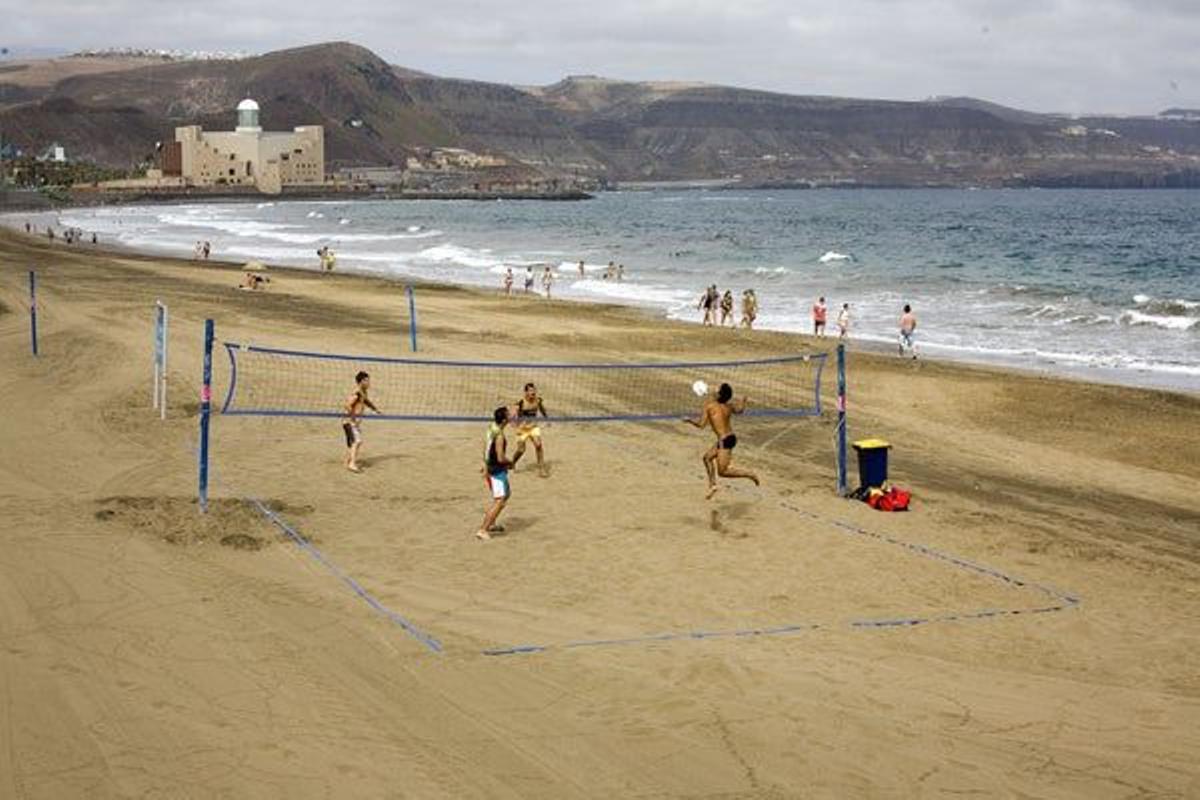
(717, 414)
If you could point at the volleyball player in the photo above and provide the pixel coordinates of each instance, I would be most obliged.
(355, 404)
(717, 413)
(528, 408)
(496, 465)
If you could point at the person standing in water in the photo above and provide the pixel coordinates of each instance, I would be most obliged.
(908, 328)
(548, 280)
(818, 313)
(843, 321)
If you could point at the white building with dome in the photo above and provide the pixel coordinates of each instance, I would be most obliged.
(247, 155)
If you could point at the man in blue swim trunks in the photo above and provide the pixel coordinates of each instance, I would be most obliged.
(717, 414)
(496, 464)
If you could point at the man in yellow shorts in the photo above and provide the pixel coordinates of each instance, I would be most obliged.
(528, 408)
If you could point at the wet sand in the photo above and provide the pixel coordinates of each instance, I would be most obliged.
(1050, 564)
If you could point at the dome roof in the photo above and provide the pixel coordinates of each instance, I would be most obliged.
(247, 105)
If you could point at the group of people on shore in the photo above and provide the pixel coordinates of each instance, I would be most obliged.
(613, 272)
(717, 308)
(713, 302)
(531, 278)
(820, 313)
(69, 235)
(202, 251)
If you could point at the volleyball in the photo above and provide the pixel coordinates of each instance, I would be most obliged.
(700, 388)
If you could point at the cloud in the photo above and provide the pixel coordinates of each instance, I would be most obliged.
(1061, 55)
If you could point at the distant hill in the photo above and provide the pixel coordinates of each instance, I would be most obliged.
(378, 114)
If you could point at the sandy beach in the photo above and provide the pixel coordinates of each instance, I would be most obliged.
(1028, 629)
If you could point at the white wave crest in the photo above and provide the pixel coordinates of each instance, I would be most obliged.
(833, 255)
(1132, 317)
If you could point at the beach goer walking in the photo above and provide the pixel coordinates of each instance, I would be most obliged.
(93, 237)
(727, 308)
(528, 407)
(207, 249)
(749, 309)
(547, 280)
(708, 302)
(620, 272)
(818, 314)
(908, 329)
(351, 422)
(582, 271)
(717, 413)
(496, 465)
(610, 271)
(28, 227)
(528, 279)
(508, 281)
(843, 321)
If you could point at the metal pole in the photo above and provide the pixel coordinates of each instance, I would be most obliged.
(412, 318)
(843, 487)
(157, 344)
(33, 342)
(162, 403)
(205, 411)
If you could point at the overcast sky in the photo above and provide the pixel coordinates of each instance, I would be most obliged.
(1044, 55)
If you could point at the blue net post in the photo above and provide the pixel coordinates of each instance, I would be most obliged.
(33, 344)
(205, 413)
(843, 487)
(412, 318)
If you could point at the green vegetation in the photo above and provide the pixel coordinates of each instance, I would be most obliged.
(32, 173)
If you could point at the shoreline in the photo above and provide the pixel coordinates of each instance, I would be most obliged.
(1118, 378)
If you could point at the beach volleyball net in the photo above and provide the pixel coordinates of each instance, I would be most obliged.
(271, 382)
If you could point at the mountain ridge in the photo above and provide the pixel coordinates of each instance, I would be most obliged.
(593, 128)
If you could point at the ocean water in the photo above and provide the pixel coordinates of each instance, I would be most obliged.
(1104, 284)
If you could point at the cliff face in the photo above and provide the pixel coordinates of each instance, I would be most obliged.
(376, 113)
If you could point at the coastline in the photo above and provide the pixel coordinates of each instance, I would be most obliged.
(930, 353)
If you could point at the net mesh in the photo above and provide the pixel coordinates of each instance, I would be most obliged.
(272, 382)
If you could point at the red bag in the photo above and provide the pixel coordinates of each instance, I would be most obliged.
(894, 499)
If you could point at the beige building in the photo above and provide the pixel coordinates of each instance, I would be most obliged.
(248, 155)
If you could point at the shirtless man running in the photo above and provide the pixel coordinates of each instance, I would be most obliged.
(355, 403)
(717, 414)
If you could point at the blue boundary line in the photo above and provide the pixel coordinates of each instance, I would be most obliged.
(412, 630)
(1061, 602)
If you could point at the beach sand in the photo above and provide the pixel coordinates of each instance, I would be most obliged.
(1052, 555)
